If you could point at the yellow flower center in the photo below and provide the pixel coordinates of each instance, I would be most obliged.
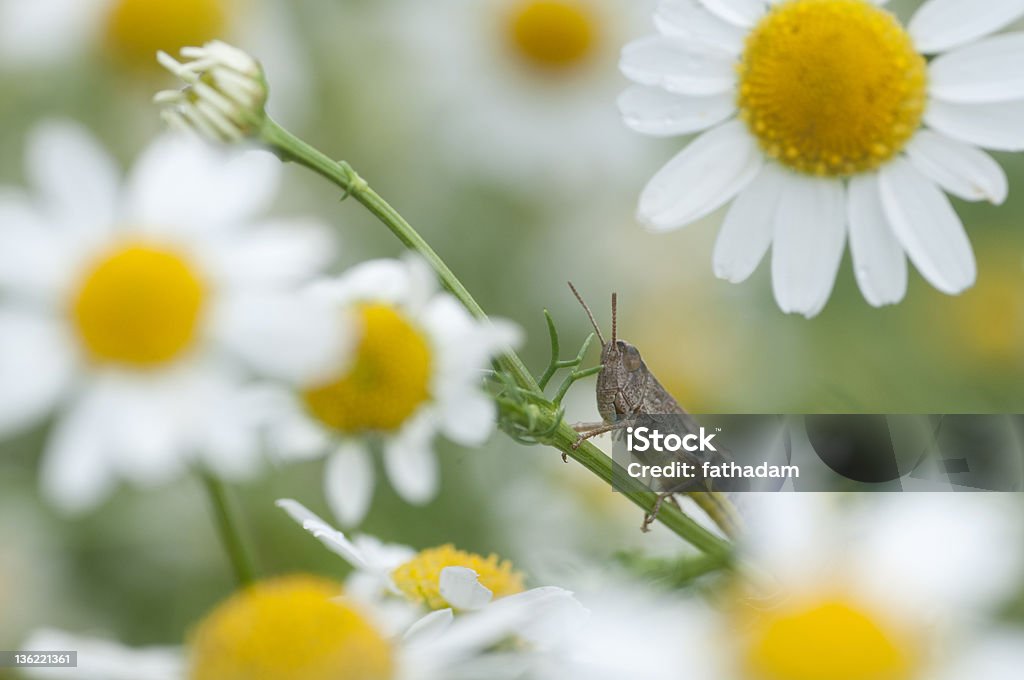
(552, 34)
(388, 380)
(831, 87)
(136, 29)
(290, 628)
(419, 579)
(830, 639)
(139, 305)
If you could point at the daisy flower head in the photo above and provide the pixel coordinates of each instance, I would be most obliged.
(312, 628)
(822, 119)
(515, 85)
(138, 309)
(437, 578)
(224, 95)
(417, 370)
(304, 627)
(903, 588)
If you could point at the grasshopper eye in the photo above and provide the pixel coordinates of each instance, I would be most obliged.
(631, 359)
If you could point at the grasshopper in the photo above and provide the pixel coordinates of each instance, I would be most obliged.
(627, 389)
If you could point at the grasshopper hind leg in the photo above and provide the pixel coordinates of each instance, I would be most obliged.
(589, 430)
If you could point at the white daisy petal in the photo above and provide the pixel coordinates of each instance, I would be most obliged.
(993, 126)
(246, 184)
(333, 540)
(743, 13)
(182, 183)
(705, 175)
(941, 25)
(293, 337)
(478, 630)
(75, 474)
(966, 533)
(998, 655)
(37, 367)
(348, 483)
(461, 588)
(674, 65)
(879, 263)
(410, 462)
(34, 260)
(747, 230)
(291, 433)
(791, 535)
(423, 285)
(430, 626)
(147, 444)
(76, 177)
(275, 253)
(690, 20)
(229, 443)
(991, 70)
(810, 231)
(105, 660)
(383, 280)
(653, 111)
(928, 227)
(468, 416)
(961, 169)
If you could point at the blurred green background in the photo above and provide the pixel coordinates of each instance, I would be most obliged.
(353, 80)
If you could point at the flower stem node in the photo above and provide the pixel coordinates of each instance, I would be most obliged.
(225, 93)
(356, 183)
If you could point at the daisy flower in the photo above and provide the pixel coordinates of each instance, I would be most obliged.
(417, 371)
(224, 95)
(823, 118)
(441, 578)
(305, 626)
(515, 85)
(138, 309)
(902, 588)
(128, 33)
(313, 625)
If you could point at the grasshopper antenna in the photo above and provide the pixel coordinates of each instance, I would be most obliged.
(615, 308)
(590, 314)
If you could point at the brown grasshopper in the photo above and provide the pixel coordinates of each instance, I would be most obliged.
(626, 389)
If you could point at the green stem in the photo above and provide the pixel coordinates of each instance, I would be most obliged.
(294, 149)
(291, 148)
(594, 460)
(229, 530)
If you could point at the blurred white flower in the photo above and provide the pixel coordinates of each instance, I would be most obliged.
(902, 588)
(137, 309)
(442, 578)
(128, 33)
(417, 371)
(307, 627)
(632, 631)
(823, 118)
(224, 95)
(520, 89)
